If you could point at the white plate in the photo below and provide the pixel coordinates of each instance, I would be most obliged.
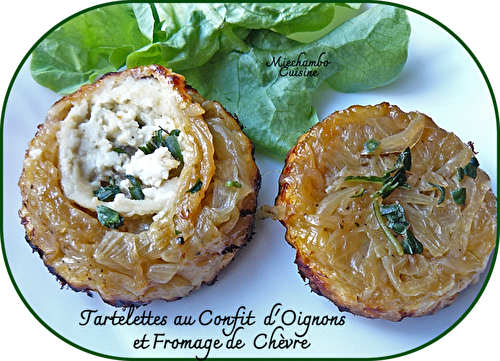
(440, 79)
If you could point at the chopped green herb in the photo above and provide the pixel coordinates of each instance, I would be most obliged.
(233, 183)
(136, 189)
(108, 193)
(125, 149)
(411, 245)
(175, 132)
(177, 232)
(441, 189)
(396, 177)
(404, 160)
(173, 146)
(459, 196)
(387, 231)
(170, 141)
(392, 178)
(369, 179)
(471, 168)
(371, 145)
(119, 150)
(109, 217)
(395, 215)
(155, 142)
(196, 187)
(359, 193)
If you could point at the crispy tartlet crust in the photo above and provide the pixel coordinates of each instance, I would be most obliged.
(341, 249)
(147, 258)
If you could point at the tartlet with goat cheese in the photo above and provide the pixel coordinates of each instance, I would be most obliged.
(138, 188)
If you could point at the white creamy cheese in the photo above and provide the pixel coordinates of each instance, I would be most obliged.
(122, 115)
(152, 169)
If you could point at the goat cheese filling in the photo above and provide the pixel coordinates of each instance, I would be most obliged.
(104, 143)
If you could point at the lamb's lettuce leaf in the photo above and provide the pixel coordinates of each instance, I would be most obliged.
(230, 52)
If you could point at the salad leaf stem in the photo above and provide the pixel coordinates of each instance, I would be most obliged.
(158, 35)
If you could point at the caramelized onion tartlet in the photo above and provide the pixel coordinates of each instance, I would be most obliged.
(138, 188)
(389, 214)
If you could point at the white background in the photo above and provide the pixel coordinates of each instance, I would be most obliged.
(440, 79)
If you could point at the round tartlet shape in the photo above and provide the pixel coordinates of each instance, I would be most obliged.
(341, 248)
(196, 210)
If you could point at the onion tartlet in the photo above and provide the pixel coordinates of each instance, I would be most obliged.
(138, 188)
(389, 214)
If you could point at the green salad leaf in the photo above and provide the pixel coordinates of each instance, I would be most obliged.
(284, 18)
(190, 32)
(242, 55)
(86, 47)
(275, 106)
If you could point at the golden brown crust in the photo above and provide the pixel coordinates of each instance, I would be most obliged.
(196, 240)
(340, 248)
